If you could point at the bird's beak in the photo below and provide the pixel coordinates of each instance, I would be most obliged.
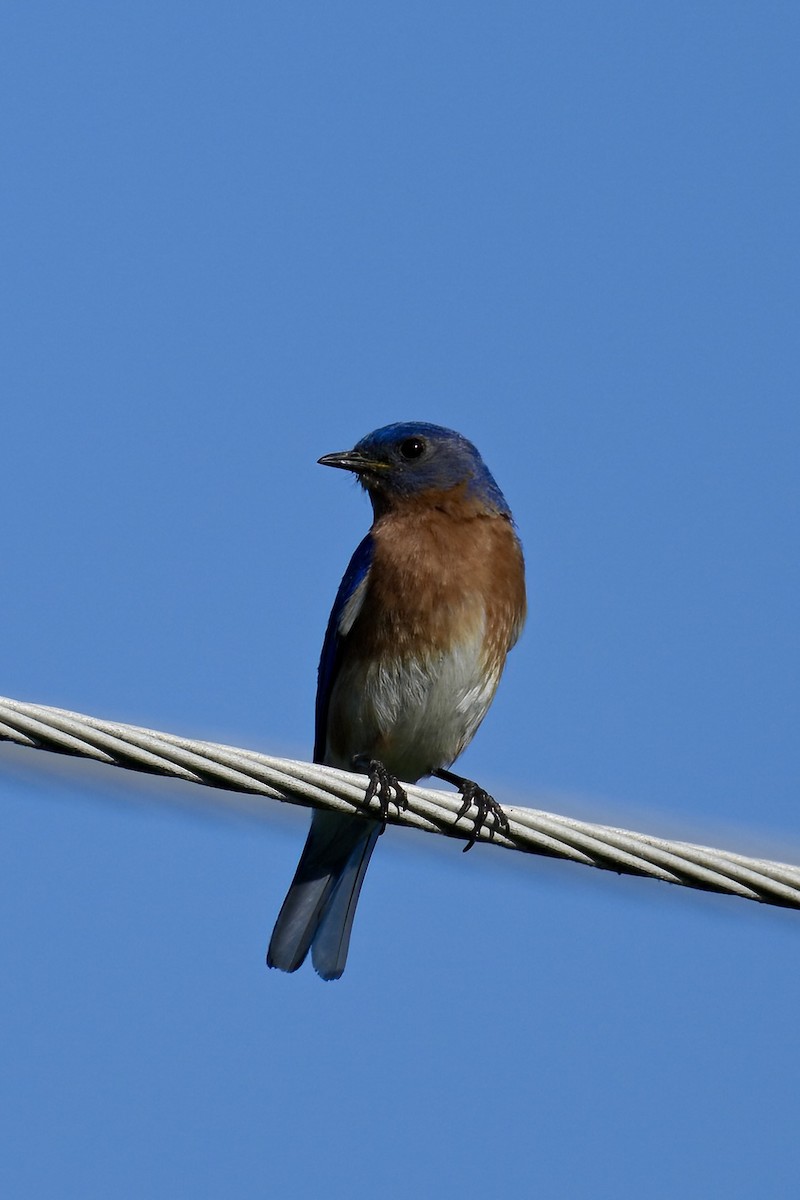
(351, 460)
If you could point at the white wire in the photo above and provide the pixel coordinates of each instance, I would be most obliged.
(530, 830)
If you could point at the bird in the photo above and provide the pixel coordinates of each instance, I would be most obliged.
(428, 608)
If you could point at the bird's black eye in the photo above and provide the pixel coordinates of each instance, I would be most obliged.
(411, 448)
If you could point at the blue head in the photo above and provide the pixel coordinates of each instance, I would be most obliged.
(406, 460)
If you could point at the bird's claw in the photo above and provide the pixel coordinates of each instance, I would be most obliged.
(490, 815)
(382, 785)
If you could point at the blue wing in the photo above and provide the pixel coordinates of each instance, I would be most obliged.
(356, 573)
(317, 913)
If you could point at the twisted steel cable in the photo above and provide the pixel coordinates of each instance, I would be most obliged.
(530, 830)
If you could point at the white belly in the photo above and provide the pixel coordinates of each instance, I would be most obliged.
(415, 714)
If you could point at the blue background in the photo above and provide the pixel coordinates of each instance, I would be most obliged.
(236, 237)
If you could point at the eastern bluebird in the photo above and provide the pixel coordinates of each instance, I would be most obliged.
(431, 603)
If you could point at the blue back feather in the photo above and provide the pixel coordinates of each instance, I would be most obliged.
(356, 572)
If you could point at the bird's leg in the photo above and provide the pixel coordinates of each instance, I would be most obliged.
(489, 813)
(381, 784)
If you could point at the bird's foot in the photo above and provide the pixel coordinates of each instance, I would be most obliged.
(489, 815)
(382, 785)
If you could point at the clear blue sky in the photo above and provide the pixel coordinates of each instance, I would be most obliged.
(236, 237)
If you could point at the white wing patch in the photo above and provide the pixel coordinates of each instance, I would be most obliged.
(352, 608)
